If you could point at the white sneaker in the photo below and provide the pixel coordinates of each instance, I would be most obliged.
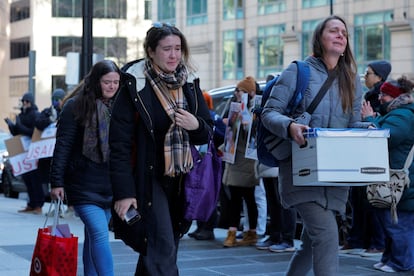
(378, 265)
(387, 268)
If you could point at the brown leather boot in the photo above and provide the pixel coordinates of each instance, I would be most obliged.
(230, 241)
(249, 238)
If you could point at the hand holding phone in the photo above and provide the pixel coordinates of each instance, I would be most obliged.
(132, 216)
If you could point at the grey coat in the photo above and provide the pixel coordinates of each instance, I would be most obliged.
(328, 114)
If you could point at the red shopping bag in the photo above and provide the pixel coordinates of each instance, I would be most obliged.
(55, 252)
(53, 255)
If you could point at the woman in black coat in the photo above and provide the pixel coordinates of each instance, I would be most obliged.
(80, 164)
(158, 113)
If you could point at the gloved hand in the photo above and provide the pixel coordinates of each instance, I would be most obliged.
(11, 125)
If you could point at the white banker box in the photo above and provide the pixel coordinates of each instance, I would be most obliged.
(341, 157)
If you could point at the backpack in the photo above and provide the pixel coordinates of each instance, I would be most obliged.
(263, 154)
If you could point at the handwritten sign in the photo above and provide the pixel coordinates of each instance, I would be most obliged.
(41, 149)
(22, 165)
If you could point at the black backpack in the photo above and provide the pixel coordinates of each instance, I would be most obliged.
(263, 154)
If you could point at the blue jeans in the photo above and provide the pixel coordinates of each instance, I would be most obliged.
(97, 255)
(319, 242)
(399, 245)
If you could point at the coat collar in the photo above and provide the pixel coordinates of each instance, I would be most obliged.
(137, 70)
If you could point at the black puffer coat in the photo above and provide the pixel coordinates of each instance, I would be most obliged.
(85, 181)
(135, 156)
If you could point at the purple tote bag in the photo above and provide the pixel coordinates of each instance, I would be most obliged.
(202, 184)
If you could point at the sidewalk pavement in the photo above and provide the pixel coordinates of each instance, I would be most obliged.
(18, 234)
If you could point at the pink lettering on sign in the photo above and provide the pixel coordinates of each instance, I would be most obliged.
(41, 149)
(22, 165)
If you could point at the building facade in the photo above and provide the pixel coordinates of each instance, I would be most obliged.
(45, 31)
(230, 39)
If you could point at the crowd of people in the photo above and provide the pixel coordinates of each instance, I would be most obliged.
(123, 143)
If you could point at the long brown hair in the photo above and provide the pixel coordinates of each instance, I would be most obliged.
(89, 89)
(346, 67)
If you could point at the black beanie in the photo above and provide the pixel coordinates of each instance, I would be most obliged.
(28, 97)
(381, 68)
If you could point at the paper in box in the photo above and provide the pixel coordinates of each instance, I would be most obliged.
(341, 157)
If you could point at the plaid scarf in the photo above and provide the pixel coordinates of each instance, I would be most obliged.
(95, 137)
(168, 88)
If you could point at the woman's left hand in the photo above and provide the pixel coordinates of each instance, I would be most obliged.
(186, 120)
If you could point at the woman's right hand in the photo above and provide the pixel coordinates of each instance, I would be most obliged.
(56, 193)
(122, 206)
(296, 132)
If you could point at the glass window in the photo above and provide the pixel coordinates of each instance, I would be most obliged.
(315, 3)
(114, 47)
(58, 81)
(308, 27)
(19, 48)
(372, 38)
(233, 9)
(107, 46)
(270, 50)
(233, 54)
(19, 10)
(271, 6)
(61, 45)
(18, 84)
(166, 11)
(101, 8)
(196, 12)
(66, 8)
(109, 8)
(148, 9)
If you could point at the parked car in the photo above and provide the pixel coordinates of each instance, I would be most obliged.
(222, 96)
(3, 151)
(10, 185)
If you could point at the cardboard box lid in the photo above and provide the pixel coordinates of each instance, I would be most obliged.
(17, 144)
(347, 132)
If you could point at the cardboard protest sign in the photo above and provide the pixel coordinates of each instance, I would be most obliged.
(43, 143)
(17, 147)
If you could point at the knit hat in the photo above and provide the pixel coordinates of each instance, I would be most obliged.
(208, 99)
(248, 84)
(391, 88)
(381, 68)
(58, 94)
(28, 97)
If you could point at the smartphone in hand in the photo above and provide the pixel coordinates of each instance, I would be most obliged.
(132, 215)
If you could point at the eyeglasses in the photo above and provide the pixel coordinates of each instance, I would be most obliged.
(369, 73)
(381, 95)
(160, 25)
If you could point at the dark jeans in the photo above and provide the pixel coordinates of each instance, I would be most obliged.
(282, 227)
(34, 189)
(366, 231)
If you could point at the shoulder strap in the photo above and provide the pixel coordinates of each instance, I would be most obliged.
(322, 92)
(409, 159)
(302, 81)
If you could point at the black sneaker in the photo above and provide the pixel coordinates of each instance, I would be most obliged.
(204, 235)
(192, 234)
